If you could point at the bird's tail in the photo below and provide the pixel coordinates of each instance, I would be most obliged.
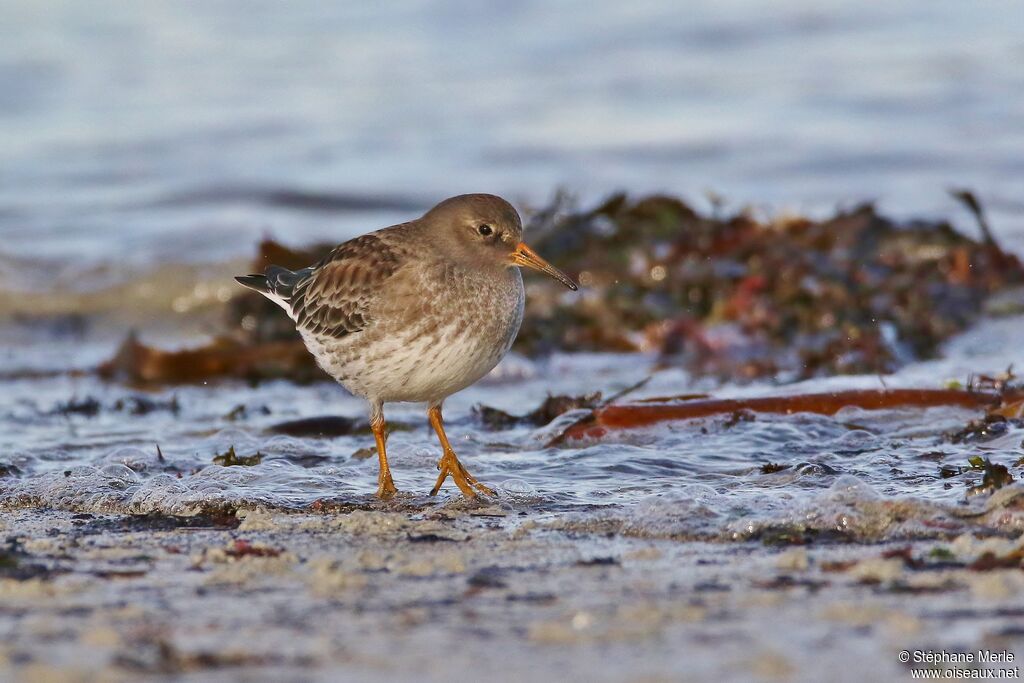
(276, 283)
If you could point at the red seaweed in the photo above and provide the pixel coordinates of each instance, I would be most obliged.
(633, 415)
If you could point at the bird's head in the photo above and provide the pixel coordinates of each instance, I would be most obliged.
(484, 231)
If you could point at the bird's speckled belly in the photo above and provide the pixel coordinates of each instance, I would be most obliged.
(428, 360)
(421, 369)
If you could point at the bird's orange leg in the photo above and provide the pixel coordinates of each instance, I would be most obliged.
(385, 485)
(449, 463)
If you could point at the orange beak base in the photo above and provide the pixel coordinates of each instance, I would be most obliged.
(525, 257)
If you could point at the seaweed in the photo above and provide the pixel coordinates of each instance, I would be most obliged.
(119, 573)
(243, 548)
(989, 561)
(136, 363)
(727, 296)
(737, 417)
(627, 416)
(553, 406)
(989, 427)
(494, 419)
(904, 553)
(995, 476)
(231, 459)
(1001, 416)
(739, 298)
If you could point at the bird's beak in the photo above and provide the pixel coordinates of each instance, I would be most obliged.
(524, 256)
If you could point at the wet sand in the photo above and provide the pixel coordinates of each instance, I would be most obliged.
(445, 591)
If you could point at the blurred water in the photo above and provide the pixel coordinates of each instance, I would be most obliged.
(133, 133)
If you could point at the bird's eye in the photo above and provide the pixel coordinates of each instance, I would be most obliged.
(485, 230)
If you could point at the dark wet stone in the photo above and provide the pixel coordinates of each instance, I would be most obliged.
(136, 405)
(120, 573)
(532, 597)
(817, 469)
(1014, 631)
(783, 535)
(487, 577)
(786, 582)
(429, 538)
(154, 521)
(88, 406)
(712, 587)
(241, 412)
(16, 564)
(902, 588)
(950, 471)
(324, 426)
(933, 455)
(9, 470)
(144, 405)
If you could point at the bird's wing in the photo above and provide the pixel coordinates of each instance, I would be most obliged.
(335, 299)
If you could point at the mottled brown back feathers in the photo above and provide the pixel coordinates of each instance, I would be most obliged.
(334, 300)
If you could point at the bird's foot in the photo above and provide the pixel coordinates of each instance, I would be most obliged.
(386, 486)
(467, 483)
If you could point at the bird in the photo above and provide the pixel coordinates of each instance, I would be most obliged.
(415, 312)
